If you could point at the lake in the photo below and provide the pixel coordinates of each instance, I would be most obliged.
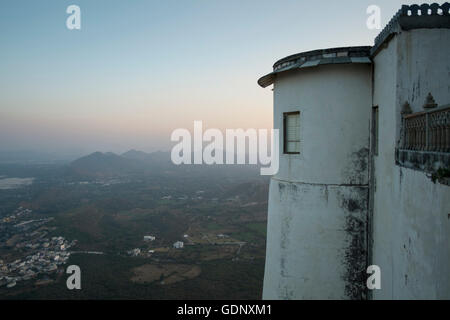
(14, 183)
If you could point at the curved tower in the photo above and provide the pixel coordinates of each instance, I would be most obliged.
(318, 200)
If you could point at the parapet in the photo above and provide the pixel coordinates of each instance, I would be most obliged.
(414, 17)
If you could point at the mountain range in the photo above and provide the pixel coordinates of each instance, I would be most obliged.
(108, 164)
(99, 164)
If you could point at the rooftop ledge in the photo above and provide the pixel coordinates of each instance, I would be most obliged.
(314, 58)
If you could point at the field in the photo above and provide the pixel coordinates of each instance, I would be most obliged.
(165, 273)
(221, 220)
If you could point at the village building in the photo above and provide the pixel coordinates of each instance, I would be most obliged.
(178, 245)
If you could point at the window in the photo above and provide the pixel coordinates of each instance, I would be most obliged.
(291, 132)
(375, 129)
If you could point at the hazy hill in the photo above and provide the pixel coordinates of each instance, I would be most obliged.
(100, 164)
(136, 155)
(154, 158)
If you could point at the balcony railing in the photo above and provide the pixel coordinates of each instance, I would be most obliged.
(427, 130)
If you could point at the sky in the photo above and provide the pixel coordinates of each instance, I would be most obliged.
(139, 69)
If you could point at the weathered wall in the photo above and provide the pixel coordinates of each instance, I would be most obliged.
(423, 66)
(385, 77)
(316, 246)
(334, 105)
(411, 226)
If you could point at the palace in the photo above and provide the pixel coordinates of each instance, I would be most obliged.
(364, 164)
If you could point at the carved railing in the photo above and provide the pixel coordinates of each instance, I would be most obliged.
(427, 130)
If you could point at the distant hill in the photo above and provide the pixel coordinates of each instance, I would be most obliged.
(136, 155)
(100, 164)
(158, 157)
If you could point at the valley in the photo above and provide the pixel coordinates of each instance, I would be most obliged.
(105, 204)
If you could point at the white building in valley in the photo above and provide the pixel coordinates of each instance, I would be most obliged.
(178, 245)
(149, 238)
(364, 166)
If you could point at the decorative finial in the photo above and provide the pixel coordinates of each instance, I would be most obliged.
(429, 102)
(406, 108)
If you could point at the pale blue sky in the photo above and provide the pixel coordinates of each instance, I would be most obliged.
(139, 69)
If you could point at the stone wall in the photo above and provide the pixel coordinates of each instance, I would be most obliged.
(410, 222)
